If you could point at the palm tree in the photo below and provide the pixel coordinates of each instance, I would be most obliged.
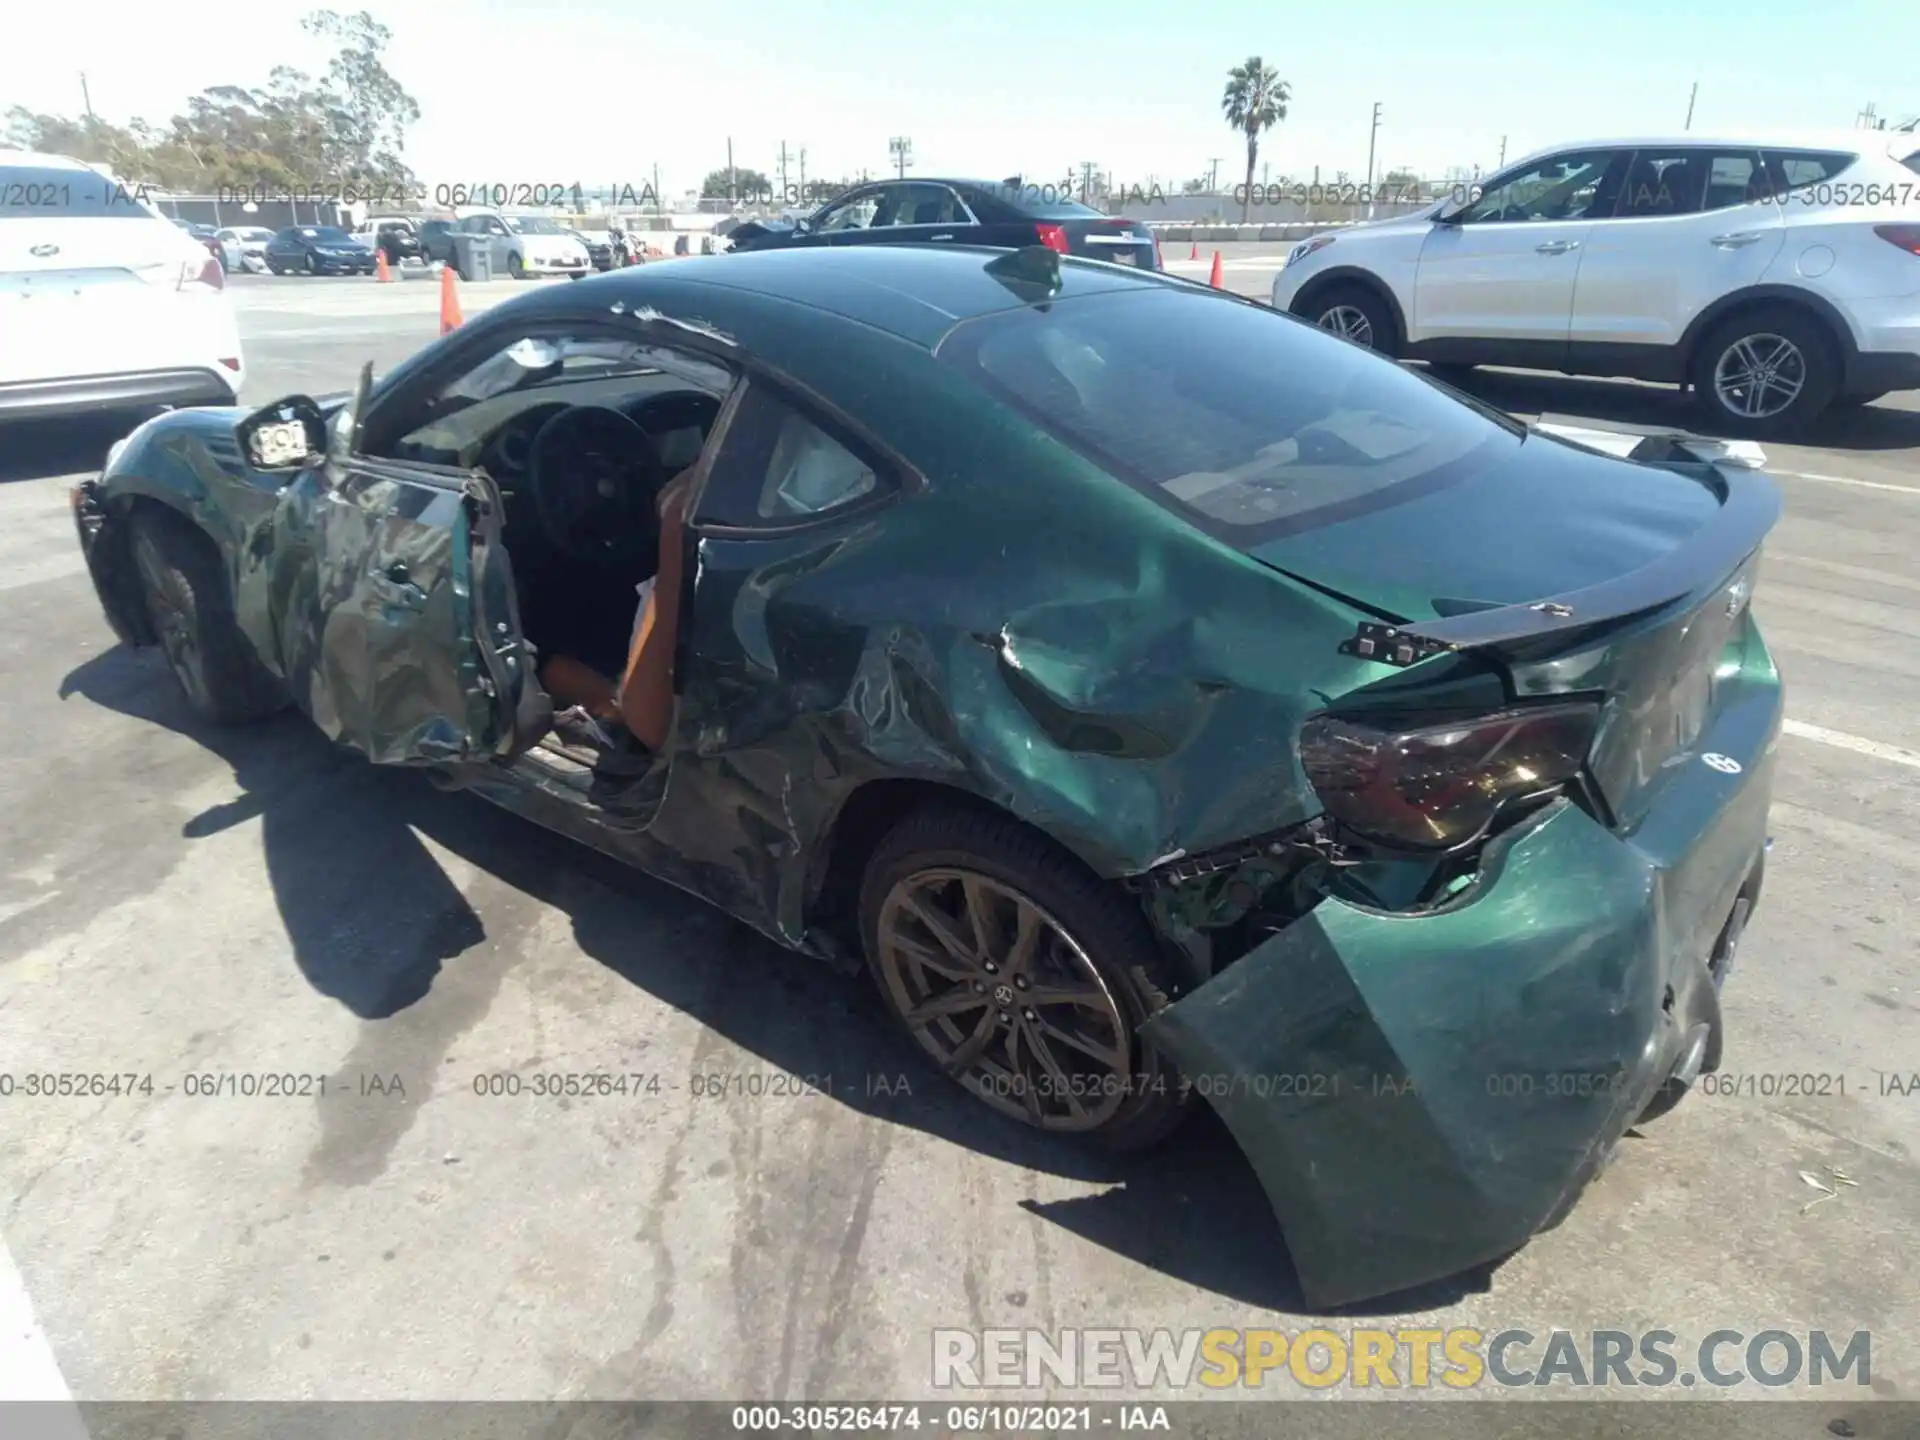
(1255, 100)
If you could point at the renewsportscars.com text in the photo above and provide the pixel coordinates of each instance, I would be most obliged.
(1459, 1358)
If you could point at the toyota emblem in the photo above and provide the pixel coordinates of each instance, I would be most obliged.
(1725, 764)
(41, 252)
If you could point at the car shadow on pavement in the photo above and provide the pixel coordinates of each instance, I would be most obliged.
(35, 449)
(376, 923)
(1871, 427)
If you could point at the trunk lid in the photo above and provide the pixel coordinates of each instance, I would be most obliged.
(1644, 601)
(1118, 241)
(1501, 535)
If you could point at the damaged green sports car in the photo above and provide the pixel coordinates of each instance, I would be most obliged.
(1165, 700)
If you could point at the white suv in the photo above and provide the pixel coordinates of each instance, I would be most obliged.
(1776, 277)
(104, 303)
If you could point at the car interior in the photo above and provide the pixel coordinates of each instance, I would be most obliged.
(582, 438)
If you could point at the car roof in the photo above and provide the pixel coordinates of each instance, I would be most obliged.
(42, 161)
(1831, 138)
(915, 292)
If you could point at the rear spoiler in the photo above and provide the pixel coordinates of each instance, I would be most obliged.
(1749, 508)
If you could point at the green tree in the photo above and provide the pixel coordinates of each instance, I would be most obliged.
(739, 183)
(346, 127)
(1254, 101)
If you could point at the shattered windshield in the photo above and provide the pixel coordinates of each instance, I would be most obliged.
(1244, 421)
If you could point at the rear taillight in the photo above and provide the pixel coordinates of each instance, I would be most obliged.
(1907, 237)
(1433, 784)
(209, 272)
(1054, 237)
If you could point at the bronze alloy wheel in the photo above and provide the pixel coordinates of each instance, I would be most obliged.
(1004, 999)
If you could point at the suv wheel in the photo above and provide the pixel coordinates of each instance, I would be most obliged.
(1767, 372)
(516, 268)
(1353, 312)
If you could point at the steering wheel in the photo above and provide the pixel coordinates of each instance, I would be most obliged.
(595, 478)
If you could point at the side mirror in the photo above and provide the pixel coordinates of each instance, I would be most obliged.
(1450, 212)
(289, 434)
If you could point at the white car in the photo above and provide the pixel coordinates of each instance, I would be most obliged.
(241, 244)
(528, 244)
(105, 303)
(1775, 276)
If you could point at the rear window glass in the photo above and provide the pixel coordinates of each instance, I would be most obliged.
(1795, 169)
(1246, 422)
(66, 194)
(1041, 202)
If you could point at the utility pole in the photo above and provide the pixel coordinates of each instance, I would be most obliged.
(1086, 181)
(803, 174)
(1213, 174)
(733, 183)
(1503, 153)
(785, 199)
(85, 98)
(1373, 136)
(901, 148)
(1691, 97)
(656, 187)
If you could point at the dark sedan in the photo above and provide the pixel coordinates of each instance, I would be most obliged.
(599, 248)
(319, 250)
(960, 212)
(1162, 698)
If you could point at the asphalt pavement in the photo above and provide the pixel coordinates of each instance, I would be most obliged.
(178, 902)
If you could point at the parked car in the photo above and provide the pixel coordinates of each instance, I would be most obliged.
(319, 250)
(244, 247)
(104, 304)
(1116, 668)
(204, 236)
(395, 236)
(1776, 277)
(599, 248)
(959, 212)
(436, 241)
(524, 245)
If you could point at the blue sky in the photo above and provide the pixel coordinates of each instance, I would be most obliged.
(600, 91)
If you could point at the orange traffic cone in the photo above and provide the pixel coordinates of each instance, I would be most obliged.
(449, 301)
(1193, 250)
(380, 271)
(1218, 279)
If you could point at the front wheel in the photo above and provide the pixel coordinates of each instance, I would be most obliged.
(1353, 312)
(516, 268)
(313, 264)
(1022, 975)
(191, 611)
(1767, 373)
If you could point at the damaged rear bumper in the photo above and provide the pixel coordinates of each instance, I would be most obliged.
(1422, 1093)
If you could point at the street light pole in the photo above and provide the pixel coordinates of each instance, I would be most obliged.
(1372, 137)
(1693, 95)
(901, 148)
(85, 98)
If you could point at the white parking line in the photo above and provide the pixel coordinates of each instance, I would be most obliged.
(1846, 480)
(28, 1372)
(1860, 745)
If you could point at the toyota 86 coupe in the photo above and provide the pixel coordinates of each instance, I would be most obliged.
(1163, 700)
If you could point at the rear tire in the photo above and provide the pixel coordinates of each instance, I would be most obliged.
(1356, 313)
(190, 608)
(1768, 372)
(1086, 941)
